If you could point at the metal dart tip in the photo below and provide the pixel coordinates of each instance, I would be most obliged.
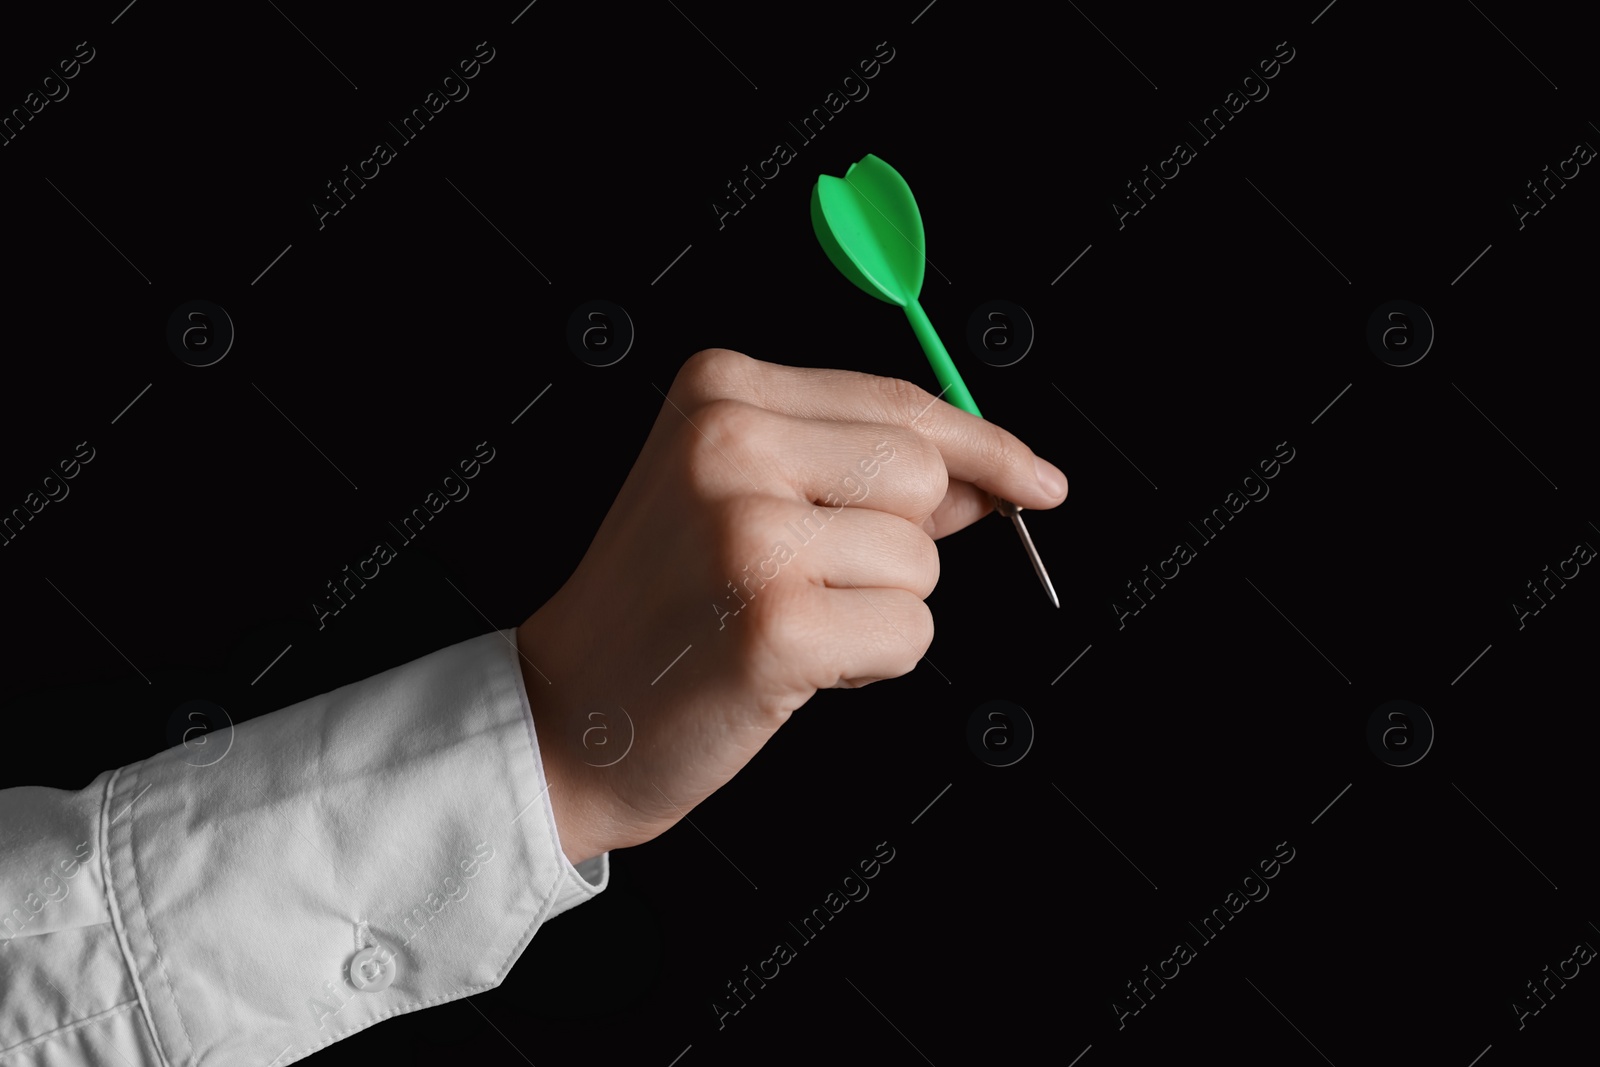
(1014, 513)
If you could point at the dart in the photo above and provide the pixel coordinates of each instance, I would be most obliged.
(869, 225)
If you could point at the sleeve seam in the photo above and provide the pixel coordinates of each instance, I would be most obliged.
(113, 905)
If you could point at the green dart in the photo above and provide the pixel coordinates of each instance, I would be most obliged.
(869, 226)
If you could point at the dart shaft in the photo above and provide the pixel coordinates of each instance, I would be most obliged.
(952, 388)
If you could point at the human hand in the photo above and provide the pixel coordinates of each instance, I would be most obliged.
(780, 522)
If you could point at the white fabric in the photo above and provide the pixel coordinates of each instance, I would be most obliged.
(173, 913)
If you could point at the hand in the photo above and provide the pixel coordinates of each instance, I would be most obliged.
(782, 522)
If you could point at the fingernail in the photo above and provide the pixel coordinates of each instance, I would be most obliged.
(927, 524)
(1051, 480)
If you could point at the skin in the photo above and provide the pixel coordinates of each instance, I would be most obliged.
(741, 448)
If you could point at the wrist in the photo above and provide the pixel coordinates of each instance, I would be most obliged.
(568, 805)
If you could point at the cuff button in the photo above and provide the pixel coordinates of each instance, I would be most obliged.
(372, 969)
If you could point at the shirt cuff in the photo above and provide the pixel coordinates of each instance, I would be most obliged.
(378, 849)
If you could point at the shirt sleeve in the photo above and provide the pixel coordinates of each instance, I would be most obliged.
(381, 848)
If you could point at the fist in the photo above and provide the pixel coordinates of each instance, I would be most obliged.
(775, 537)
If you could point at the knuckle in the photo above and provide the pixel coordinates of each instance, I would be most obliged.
(744, 522)
(934, 477)
(927, 563)
(713, 372)
(1004, 451)
(776, 624)
(921, 466)
(723, 429)
(922, 624)
(901, 398)
(914, 637)
(916, 559)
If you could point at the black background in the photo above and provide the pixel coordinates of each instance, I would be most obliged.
(1223, 319)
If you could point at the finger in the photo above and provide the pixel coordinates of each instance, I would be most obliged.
(963, 505)
(831, 465)
(835, 638)
(862, 548)
(893, 631)
(974, 450)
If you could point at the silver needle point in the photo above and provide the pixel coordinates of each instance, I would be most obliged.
(1014, 512)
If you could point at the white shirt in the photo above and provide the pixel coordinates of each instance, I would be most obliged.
(196, 910)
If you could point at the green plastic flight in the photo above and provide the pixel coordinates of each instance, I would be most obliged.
(868, 224)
